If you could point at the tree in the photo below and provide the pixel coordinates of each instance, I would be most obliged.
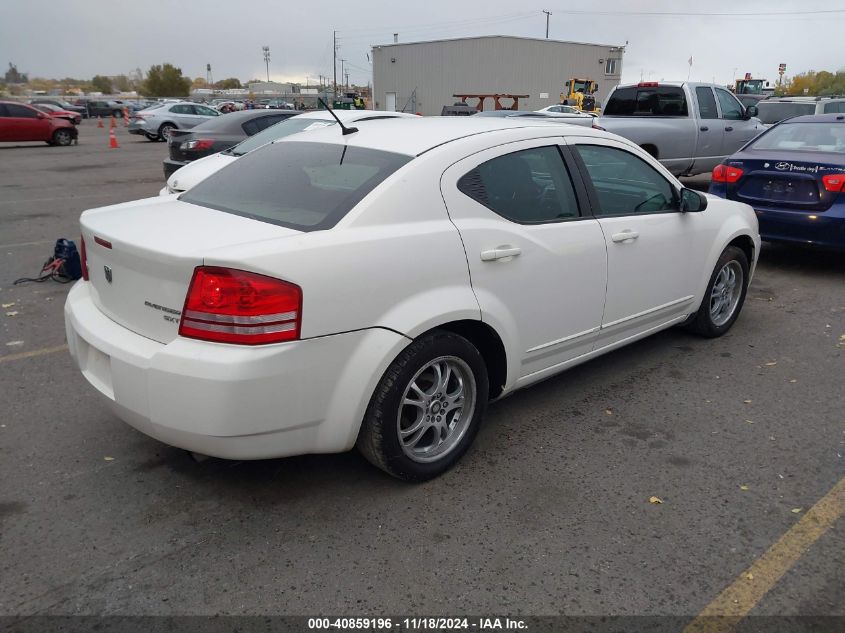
(166, 81)
(817, 83)
(102, 84)
(228, 84)
(121, 83)
(198, 82)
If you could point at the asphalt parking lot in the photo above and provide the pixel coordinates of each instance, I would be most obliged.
(549, 513)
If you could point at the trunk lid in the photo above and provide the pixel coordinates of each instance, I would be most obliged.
(789, 182)
(141, 256)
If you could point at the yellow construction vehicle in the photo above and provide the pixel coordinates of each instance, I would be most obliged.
(579, 93)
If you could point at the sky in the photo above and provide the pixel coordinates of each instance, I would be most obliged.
(724, 38)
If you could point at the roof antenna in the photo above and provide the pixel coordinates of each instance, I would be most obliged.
(346, 130)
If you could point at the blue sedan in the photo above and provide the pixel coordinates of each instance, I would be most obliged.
(793, 175)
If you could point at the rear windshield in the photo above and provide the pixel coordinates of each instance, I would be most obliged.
(804, 137)
(275, 132)
(656, 101)
(774, 111)
(303, 186)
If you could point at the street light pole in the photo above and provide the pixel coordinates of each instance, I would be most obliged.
(548, 13)
(266, 50)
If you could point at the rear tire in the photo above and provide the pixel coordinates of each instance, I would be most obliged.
(724, 297)
(427, 408)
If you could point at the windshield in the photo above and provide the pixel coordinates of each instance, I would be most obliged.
(751, 87)
(774, 111)
(303, 186)
(275, 132)
(804, 137)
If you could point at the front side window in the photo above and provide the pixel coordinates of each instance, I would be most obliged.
(531, 186)
(625, 184)
(731, 108)
(300, 185)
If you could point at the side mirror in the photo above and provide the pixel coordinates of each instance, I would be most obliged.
(751, 111)
(692, 201)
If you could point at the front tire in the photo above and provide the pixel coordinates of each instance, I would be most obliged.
(164, 131)
(427, 408)
(725, 295)
(62, 137)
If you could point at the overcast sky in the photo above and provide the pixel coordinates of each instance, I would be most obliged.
(81, 38)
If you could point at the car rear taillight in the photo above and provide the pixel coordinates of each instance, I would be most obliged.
(834, 182)
(198, 145)
(726, 173)
(648, 84)
(235, 306)
(83, 258)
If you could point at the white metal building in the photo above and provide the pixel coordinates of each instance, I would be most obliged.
(423, 76)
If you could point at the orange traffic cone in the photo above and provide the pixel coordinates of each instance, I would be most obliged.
(100, 121)
(113, 122)
(125, 117)
(113, 140)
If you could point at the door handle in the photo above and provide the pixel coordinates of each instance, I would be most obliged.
(729, 129)
(501, 252)
(624, 236)
(704, 128)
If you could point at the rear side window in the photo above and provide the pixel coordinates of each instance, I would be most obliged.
(625, 184)
(253, 126)
(531, 186)
(303, 186)
(706, 103)
(774, 111)
(838, 106)
(206, 111)
(182, 109)
(655, 101)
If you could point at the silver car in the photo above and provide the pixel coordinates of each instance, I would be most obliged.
(156, 121)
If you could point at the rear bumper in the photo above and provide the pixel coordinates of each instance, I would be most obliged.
(231, 401)
(140, 128)
(171, 165)
(821, 229)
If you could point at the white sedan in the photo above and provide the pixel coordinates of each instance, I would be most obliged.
(377, 288)
(186, 177)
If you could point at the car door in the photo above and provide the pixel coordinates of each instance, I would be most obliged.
(737, 129)
(710, 131)
(651, 245)
(25, 124)
(205, 113)
(536, 257)
(184, 116)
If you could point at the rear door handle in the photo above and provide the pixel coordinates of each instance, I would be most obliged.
(704, 128)
(729, 129)
(624, 236)
(502, 252)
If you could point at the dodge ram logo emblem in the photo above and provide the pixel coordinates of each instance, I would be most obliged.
(107, 270)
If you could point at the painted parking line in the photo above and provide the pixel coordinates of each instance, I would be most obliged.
(19, 244)
(737, 600)
(36, 352)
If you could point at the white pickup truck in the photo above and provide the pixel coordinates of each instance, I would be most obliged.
(689, 127)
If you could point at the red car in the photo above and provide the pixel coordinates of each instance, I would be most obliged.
(21, 122)
(73, 117)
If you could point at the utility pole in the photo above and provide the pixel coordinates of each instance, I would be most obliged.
(548, 13)
(347, 80)
(266, 50)
(334, 52)
(342, 61)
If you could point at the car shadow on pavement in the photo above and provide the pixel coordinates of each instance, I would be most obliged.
(802, 259)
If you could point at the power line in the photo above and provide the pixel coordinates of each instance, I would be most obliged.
(698, 13)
